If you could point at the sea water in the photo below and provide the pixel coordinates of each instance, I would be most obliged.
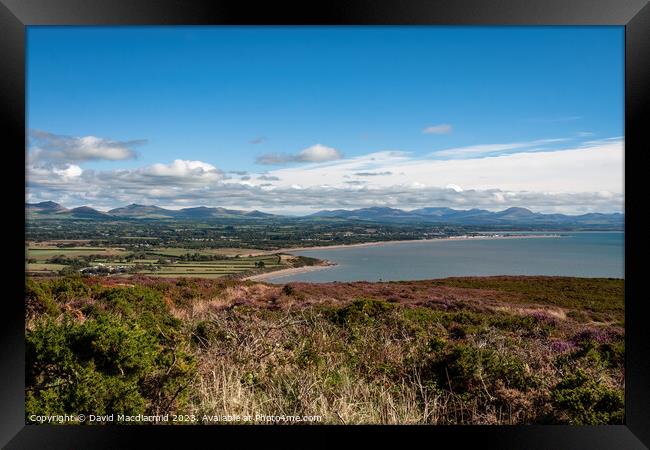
(579, 254)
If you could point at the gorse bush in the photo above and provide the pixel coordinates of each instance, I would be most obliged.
(465, 368)
(143, 305)
(362, 311)
(96, 367)
(583, 400)
(46, 298)
(38, 301)
(127, 356)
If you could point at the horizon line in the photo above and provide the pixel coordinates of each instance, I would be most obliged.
(318, 210)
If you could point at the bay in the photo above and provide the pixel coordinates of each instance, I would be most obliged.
(579, 254)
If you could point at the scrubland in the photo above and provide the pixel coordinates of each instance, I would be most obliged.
(492, 350)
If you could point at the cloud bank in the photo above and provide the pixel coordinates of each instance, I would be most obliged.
(587, 178)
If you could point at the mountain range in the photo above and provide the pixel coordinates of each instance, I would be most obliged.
(135, 211)
(508, 217)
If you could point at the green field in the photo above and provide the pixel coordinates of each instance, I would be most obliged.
(164, 261)
(40, 267)
(215, 268)
(176, 251)
(42, 254)
(186, 275)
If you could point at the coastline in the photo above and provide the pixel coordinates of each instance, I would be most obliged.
(411, 241)
(289, 271)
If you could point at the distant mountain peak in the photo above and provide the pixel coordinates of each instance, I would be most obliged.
(86, 212)
(45, 206)
(517, 209)
(84, 209)
(135, 207)
(49, 204)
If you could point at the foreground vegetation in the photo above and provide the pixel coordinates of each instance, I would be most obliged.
(495, 350)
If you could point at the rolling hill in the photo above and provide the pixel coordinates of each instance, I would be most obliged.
(142, 211)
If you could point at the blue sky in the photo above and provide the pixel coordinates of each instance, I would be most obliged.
(306, 100)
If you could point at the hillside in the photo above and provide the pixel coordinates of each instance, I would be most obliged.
(142, 211)
(86, 212)
(481, 350)
(44, 207)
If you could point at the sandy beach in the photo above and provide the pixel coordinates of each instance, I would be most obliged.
(291, 271)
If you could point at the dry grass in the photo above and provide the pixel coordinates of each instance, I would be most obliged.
(265, 368)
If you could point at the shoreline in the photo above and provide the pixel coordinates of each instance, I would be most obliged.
(289, 271)
(411, 241)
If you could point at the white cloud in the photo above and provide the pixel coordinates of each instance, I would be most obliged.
(183, 168)
(70, 171)
(315, 154)
(474, 151)
(319, 153)
(49, 147)
(438, 129)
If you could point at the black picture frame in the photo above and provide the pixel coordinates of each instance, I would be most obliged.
(15, 15)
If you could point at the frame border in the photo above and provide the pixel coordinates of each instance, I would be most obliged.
(16, 15)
